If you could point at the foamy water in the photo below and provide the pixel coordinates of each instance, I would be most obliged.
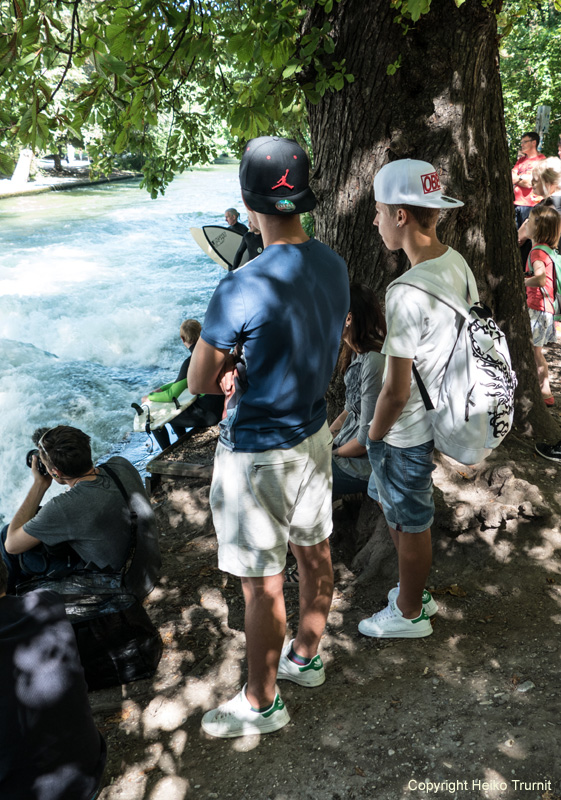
(94, 284)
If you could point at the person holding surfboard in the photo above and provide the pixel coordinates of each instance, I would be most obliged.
(272, 469)
(204, 412)
(252, 243)
(232, 217)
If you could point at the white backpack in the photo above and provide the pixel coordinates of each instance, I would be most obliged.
(476, 399)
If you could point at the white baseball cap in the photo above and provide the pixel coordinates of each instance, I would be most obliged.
(413, 183)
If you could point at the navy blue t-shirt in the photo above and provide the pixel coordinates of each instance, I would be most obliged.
(287, 308)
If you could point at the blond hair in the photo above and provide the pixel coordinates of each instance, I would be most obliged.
(190, 331)
(548, 171)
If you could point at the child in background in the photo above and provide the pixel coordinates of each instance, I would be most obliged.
(544, 229)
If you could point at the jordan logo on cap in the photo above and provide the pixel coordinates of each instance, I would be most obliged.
(282, 182)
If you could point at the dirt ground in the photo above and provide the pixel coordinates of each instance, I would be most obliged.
(470, 712)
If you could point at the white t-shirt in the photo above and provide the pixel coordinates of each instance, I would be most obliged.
(425, 329)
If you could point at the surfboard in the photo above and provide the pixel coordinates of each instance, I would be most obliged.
(151, 416)
(221, 244)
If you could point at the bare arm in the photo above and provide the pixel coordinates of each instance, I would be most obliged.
(539, 276)
(393, 397)
(351, 449)
(337, 424)
(206, 368)
(17, 540)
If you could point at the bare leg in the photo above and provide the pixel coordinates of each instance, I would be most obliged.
(316, 591)
(415, 560)
(265, 626)
(543, 372)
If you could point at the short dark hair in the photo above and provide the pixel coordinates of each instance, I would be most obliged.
(66, 449)
(535, 137)
(3, 577)
(548, 225)
(426, 217)
(368, 325)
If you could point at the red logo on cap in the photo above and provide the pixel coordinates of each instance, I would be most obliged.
(283, 182)
(430, 183)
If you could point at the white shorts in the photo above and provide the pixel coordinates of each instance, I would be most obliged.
(261, 501)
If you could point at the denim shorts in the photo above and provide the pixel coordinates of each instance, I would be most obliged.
(401, 482)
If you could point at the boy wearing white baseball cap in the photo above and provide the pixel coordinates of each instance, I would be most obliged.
(421, 331)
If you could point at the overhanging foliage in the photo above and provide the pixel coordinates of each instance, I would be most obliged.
(112, 71)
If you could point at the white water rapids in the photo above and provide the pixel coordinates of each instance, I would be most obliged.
(94, 284)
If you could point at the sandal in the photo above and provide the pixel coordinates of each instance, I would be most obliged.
(291, 576)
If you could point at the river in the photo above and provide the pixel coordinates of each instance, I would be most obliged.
(94, 283)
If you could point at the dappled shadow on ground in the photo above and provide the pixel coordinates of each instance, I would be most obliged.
(476, 701)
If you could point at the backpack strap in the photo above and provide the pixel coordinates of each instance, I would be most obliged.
(422, 389)
(134, 517)
(471, 291)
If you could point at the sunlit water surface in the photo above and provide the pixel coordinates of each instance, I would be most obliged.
(94, 284)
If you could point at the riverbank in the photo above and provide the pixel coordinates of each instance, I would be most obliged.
(52, 183)
(472, 708)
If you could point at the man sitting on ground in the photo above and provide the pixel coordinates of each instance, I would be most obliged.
(50, 748)
(87, 527)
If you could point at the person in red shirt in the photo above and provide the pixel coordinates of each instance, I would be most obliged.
(544, 228)
(524, 197)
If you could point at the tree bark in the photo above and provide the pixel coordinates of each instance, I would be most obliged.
(444, 105)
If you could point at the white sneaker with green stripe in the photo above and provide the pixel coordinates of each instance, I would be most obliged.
(391, 624)
(238, 718)
(312, 674)
(429, 603)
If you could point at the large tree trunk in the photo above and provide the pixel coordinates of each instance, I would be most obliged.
(443, 105)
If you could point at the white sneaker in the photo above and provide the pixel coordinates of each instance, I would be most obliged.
(312, 674)
(391, 624)
(238, 718)
(429, 603)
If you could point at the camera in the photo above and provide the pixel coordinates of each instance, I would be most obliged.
(40, 466)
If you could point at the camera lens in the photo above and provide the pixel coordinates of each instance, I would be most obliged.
(29, 461)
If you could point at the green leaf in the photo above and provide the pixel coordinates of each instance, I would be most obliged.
(112, 64)
(416, 7)
(121, 141)
(241, 45)
(291, 69)
(7, 164)
(23, 61)
(311, 94)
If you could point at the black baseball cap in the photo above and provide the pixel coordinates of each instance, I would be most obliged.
(274, 175)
